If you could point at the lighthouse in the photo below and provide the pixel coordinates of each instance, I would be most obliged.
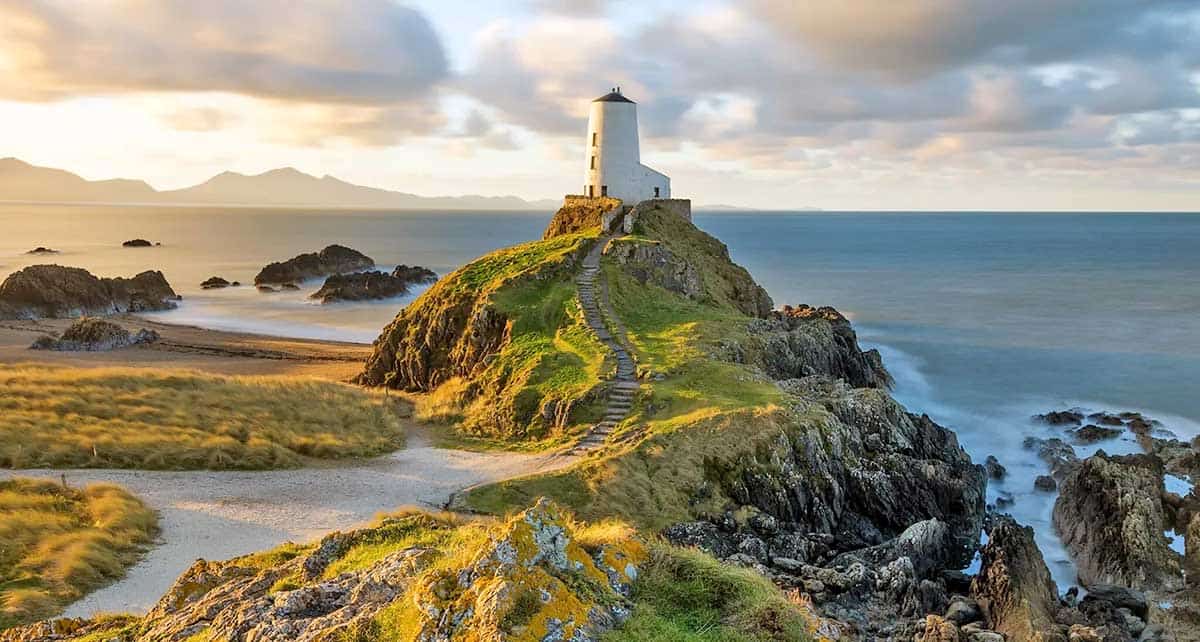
(614, 162)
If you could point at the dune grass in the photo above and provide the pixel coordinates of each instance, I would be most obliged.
(177, 420)
(57, 543)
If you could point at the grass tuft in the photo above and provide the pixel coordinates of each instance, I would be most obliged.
(57, 543)
(178, 420)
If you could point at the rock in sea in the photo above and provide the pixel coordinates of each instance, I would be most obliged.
(54, 291)
(334, 259)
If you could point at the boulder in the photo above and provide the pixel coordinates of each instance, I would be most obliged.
(214, 283)
(1110, 515)
(54, 291)
(334, 259)
(1045, 483)
(938, 629)
(137, 243)
(1057, 454)
(37, 251)
(1092, 433)
(1061, 417)
(994, 468)
(363, 286)
(94, 335)
(1013, 587)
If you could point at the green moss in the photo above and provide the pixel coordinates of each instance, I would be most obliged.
(686, 596)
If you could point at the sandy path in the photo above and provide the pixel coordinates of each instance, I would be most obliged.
(217, 515)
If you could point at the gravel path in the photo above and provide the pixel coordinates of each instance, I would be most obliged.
(221, 514)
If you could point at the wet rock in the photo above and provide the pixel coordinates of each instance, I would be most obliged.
(1013, 587)
(1192, 550)
(334, 259)
(1092, 433)
(365, 286)
(963, 610)
(993, 467)
(1057, 454)
(213, 283)
(137, 243)
(1106, 419)
(54, 291)
(1109, 513)
(1061, 417)
(94, 335)
(265, 289)
(289, 286)
(1111, 597)
(41, 251)
(1045, 483)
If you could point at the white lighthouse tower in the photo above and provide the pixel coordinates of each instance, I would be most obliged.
(614, 161)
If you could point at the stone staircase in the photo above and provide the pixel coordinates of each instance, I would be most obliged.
(593, 297)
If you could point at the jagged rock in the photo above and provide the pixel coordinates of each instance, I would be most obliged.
(651, 262)
(1116, 597)
(802, 341)
(1061, 417)
(363, 286)
(938, 630)
(531, 580)
(94, 335)
(1109, 513)
(1092, 433)
(137, 243)
(1107, 419)
(334, 259)
(1045, 483)
(994, 468)
(54, 291)
(41, 251)
(1013, 586)
(1192, 550)
(1057, 454)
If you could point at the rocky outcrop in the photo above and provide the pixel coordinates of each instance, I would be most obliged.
(365, 286)
(582, 214)
(94, 335)
(528, 579)
(41, 251)
(1110, 516)
(54, 291)
(216, 283)
(723, 282)
(137, 243)
(1014, 587)
(334, 259)
(802, 341)
(651, 262)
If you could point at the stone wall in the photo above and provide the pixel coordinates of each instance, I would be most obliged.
(579, 213)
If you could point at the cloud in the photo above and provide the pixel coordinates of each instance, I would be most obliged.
(199, 119)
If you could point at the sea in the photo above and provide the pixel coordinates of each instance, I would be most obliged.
(983, 318)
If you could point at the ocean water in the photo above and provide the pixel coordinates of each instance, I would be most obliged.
(984, 319)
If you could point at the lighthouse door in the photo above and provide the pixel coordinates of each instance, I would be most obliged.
(604, 190)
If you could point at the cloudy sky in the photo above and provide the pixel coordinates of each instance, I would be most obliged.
(857, 104)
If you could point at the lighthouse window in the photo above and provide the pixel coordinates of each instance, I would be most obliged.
(594, 135)
(593, 162)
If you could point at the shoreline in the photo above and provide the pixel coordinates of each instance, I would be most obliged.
(192, 347)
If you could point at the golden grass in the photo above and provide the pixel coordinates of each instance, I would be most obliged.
(57, 543)
(175, 419)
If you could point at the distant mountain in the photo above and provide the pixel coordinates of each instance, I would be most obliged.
(20, 181)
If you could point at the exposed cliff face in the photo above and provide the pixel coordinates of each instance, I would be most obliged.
(687, 261)
(54, 291)
(492, 324)
(798, 342)
(582, 214)
(1110, 515)
(1014, 586)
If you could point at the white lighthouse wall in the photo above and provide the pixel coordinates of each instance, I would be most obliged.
(614, 158)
